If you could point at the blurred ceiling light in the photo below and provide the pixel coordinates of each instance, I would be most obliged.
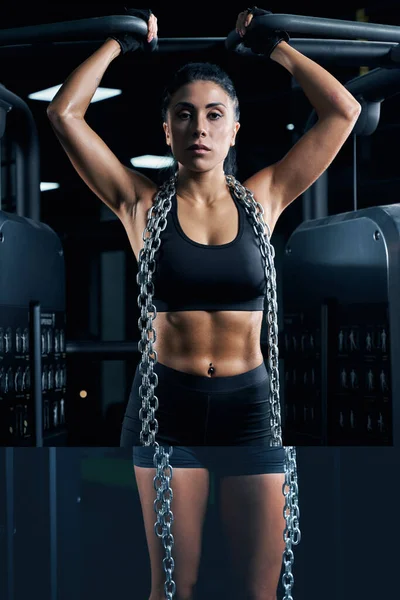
(48, 185)
(100, 94)
(148, 161)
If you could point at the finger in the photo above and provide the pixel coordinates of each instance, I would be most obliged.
(240, 23)
(152, 28)
(245, 20)
(248, 20)
(239, 19)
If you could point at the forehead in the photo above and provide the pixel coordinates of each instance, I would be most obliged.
(200, 93)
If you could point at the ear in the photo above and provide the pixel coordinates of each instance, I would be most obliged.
(236, 129)
(167, 136)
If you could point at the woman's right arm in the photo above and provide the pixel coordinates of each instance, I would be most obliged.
(116, 185)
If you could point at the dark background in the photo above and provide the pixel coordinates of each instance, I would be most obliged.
(101, 287)
(347, 496)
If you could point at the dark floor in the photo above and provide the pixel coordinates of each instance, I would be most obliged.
(71, 527)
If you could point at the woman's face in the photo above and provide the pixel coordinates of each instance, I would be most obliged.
(201, 113)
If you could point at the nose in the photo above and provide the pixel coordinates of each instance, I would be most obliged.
(199, 128)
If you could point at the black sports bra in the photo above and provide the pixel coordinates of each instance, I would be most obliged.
(193, 276)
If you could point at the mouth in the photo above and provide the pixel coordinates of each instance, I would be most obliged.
(199, 148)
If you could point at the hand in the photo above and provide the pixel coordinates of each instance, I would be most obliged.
(130, 43)
(263, 43)
(245, 18)
(152, 27)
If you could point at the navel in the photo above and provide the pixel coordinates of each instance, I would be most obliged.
(211, 370)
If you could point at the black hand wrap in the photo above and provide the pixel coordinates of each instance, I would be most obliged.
(130, 43)
(263, 44)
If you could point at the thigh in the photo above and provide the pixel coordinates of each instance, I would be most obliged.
(190, 488)
(252, 515)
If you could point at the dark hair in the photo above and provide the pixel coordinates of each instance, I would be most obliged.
(202, 71)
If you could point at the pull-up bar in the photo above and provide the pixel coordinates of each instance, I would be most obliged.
(343, 53)
(97, 28)
(330, 28)
(381, 48)
(382, 39)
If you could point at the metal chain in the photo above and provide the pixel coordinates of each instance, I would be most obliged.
(157, 222)
(291, 512)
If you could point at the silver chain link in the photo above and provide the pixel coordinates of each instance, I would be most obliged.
(156, 223)
(291, 511)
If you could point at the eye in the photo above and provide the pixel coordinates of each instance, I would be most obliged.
(215, 116)
(184, 115)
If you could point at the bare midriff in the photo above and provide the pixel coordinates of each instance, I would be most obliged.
(209, 343)
(212, 343)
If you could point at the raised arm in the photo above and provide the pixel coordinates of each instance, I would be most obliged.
(276, 186)
(118, 186)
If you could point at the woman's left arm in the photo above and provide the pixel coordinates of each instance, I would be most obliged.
(337, 110)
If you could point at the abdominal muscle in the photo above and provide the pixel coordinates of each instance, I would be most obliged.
(194, 341)
(191, 341)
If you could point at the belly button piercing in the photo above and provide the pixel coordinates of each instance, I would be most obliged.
(211, 369)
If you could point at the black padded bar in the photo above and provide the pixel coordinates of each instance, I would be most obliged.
(340, 52)
(350, 52)
(99, 28)
(22, 126)
(181, 44)
(375, 86)
(103, 350)
(331, 28)
(96, 28)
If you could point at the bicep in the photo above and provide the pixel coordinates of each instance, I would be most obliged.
(277, 185)
(115, 184)
(309, 157)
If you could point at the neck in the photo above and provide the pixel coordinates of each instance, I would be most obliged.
(201, 188)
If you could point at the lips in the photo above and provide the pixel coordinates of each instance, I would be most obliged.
(198, 147)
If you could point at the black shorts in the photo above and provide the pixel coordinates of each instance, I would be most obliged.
(221, 423)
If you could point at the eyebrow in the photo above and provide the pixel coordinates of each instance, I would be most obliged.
(190, 105)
